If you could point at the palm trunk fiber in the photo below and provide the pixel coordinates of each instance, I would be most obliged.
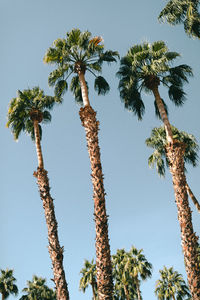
(55, 251)
(103, 257)
(175, 152)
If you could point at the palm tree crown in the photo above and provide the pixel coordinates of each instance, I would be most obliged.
(78, 53)
(25, 107)
(88, 277)
(7, 284)
(171, 284)
(158, 142)
(37, 289)
(144, 68)
(183, 11)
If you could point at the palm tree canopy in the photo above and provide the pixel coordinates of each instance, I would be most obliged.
(171, 284)
(7, 283)
(121, 276)
(158, 142)
(185, 12)
(38, 290)
(21, 107)
(88, 275)
(138, 264)
(144, 67)
(78, 52)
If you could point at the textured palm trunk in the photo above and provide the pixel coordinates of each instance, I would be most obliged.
(103, 257)
(173, 297)
(126, 292)
(175, 153)
(163, 114)
(192, 196)
(138, 288)
(55, 251)
(38, 144)
(2, 297)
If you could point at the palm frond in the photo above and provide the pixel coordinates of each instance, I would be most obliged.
(60, 88)
(101, 85)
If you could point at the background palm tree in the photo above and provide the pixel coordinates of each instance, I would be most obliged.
(38, 290)
(7, 284)
(124, 287)
(26, 112)
(145, 67)
(139, 268)
(171, 286)
(77, 54)
(89, 277)
(158, 158)
(183, 12)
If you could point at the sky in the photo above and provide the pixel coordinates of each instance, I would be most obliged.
(141, 207)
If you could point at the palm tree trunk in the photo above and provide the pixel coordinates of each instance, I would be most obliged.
(175, 153)
(93, 290)
(103, 257)
(38, 144)
(84, 89)
(138, 289)
(173, 297)
(126, 292)
(192, 196)
(2, 297)
(163, 114)
(55, 251)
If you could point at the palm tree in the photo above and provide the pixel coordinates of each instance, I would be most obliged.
(122, 283)
(171, 285)
(7, 284)
(80, 53)
(145, 67)
(38, 290)
(139, 268)
(26, 112)
(89, 277)
(158, 142)
(183, 12)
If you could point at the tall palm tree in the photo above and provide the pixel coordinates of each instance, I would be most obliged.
(171, 285)
(77, 54)
(184, 12)
(89, 277)
(26, 112)
(158, 142)
(38, 290)
(145, 67)
(7, 284)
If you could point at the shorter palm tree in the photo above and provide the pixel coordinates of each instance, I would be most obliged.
(7, 284)
(159, 158)
(183, 12)
(171, 285)
(38, 290)
(89, 277)
(124, 287)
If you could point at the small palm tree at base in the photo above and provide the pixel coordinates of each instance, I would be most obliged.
(171, 286)
(80, 53)
(38, 290)
(26, 112)
(183, 11)
(158, 142)
(89, 278)
(144, 68)
(7, 284)
(129, 269)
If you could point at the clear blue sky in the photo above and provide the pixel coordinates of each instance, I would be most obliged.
(141, 206)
